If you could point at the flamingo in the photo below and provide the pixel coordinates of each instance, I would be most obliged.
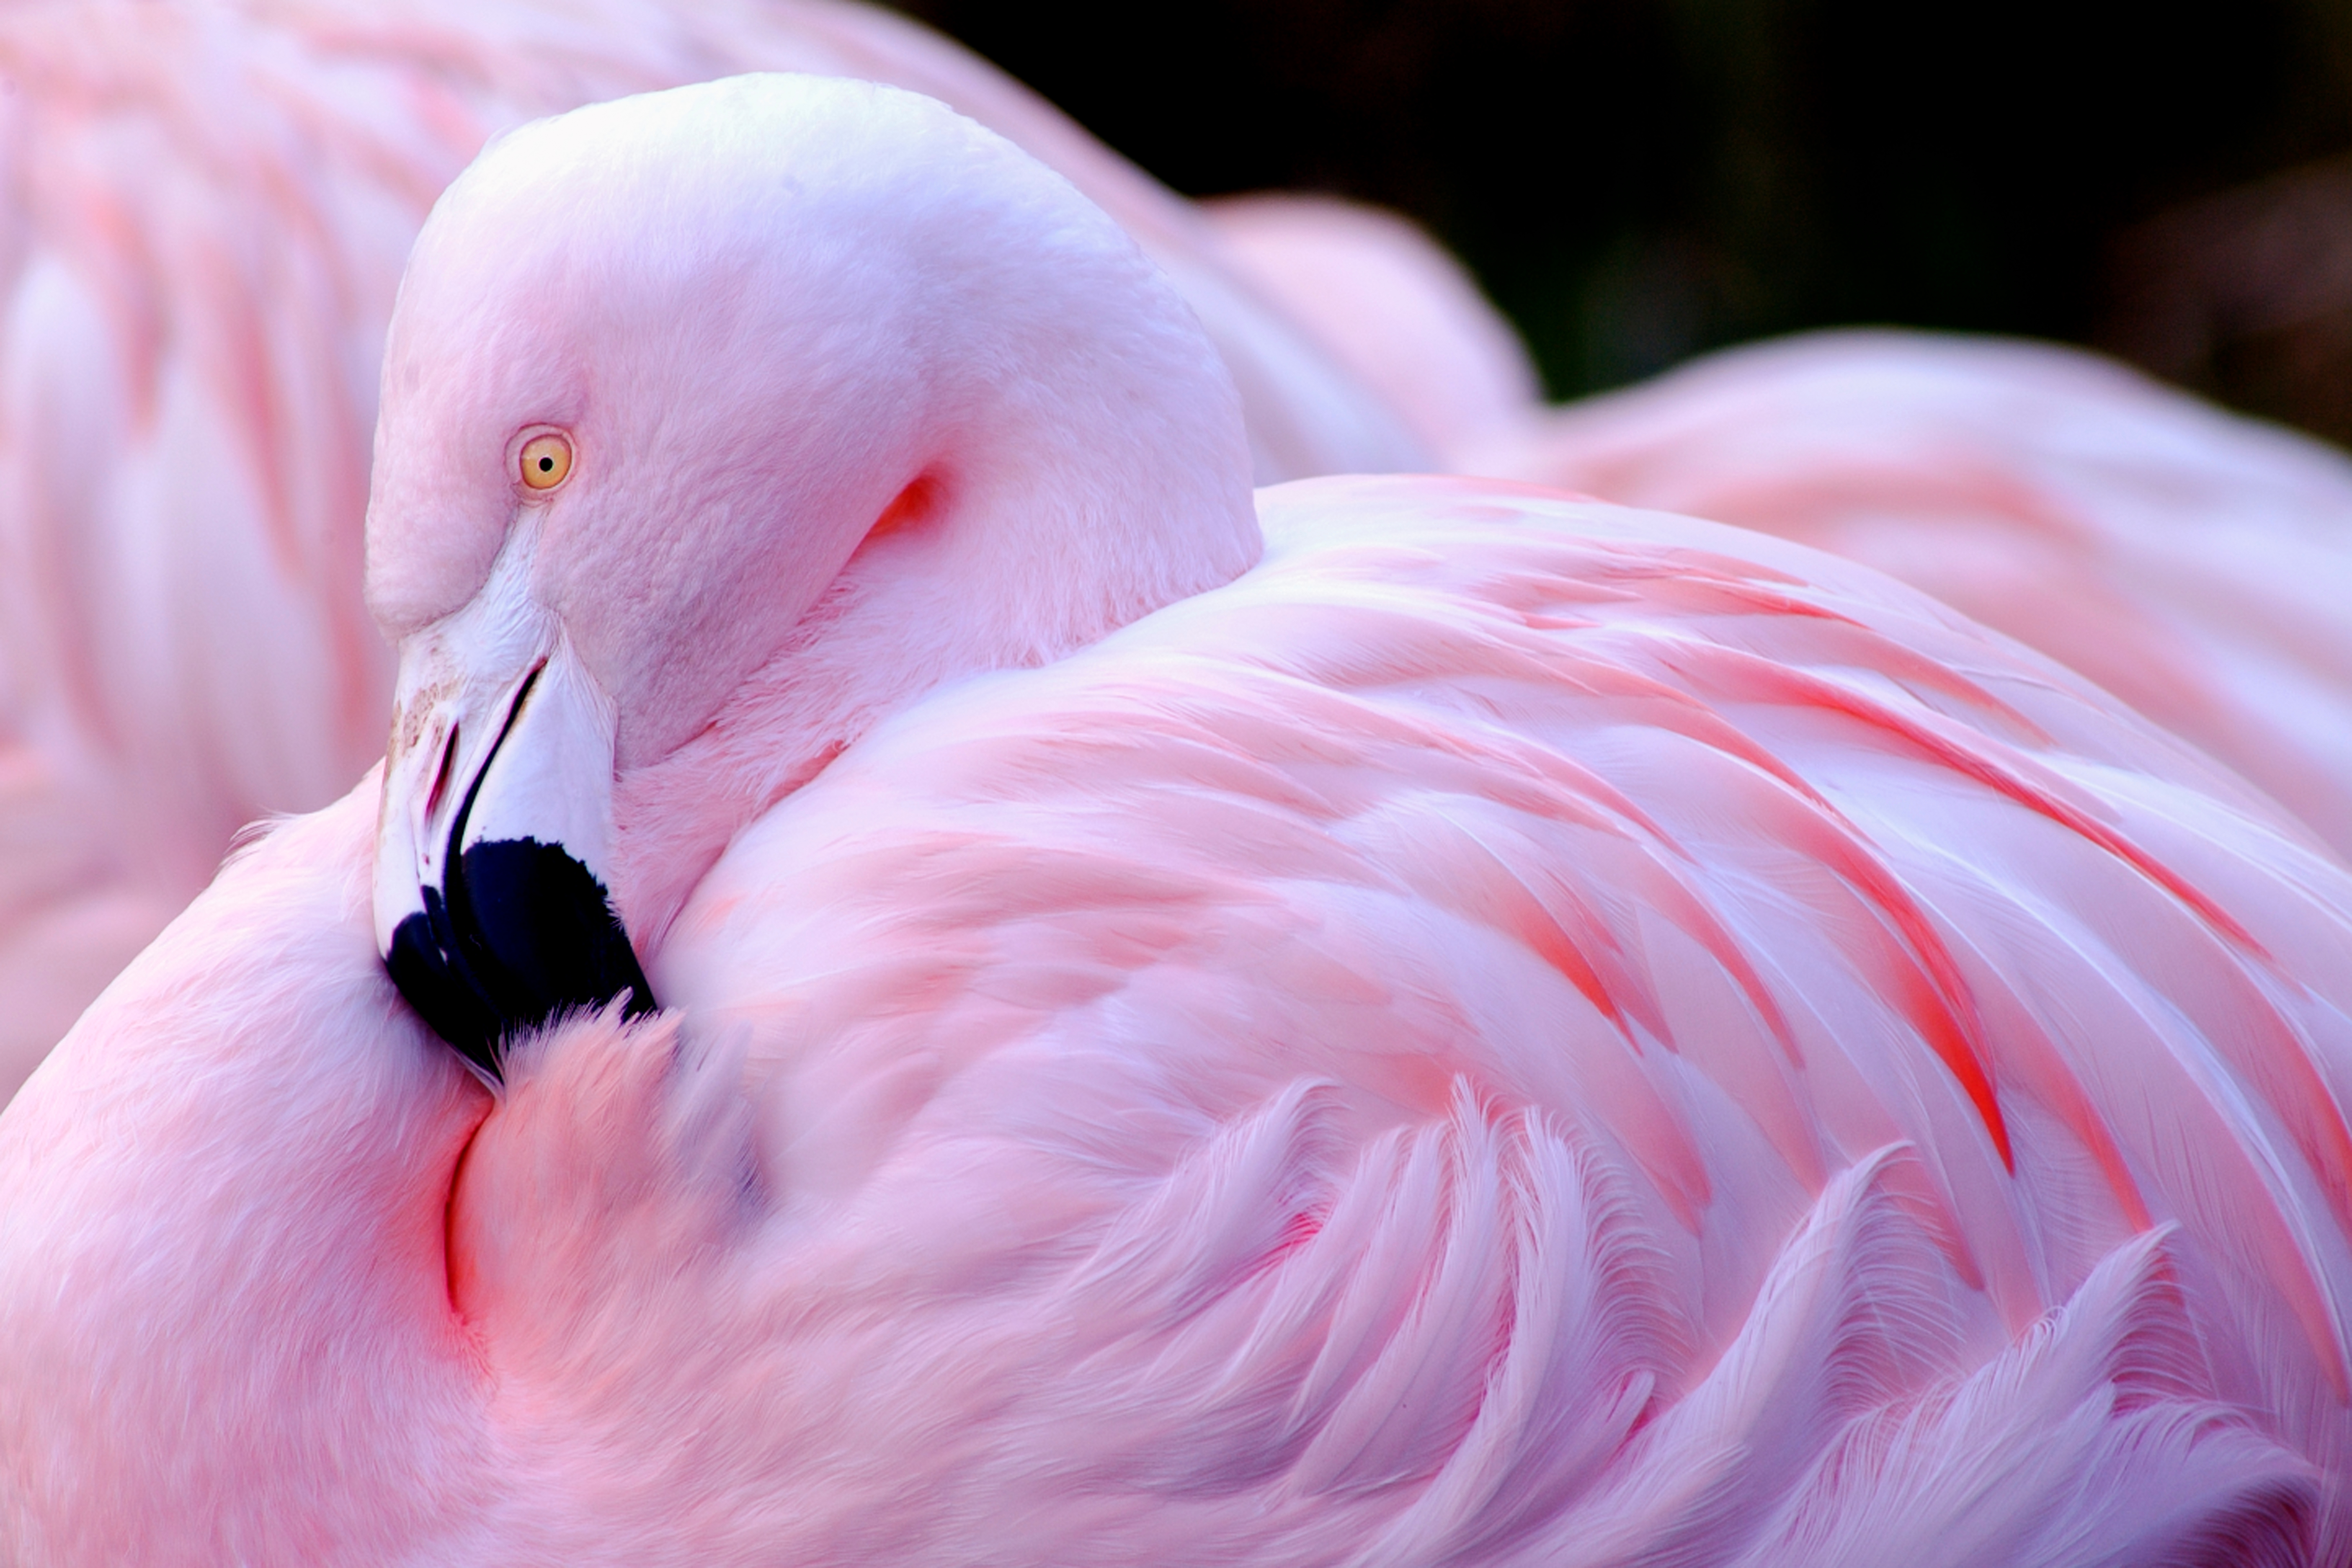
(208, 204)
(994, 995)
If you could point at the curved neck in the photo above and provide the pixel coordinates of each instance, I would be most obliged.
(1005, 564)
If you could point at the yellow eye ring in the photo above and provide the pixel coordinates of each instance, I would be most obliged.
(544, 461)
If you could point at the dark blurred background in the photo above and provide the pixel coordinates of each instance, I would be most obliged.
(1635, 181)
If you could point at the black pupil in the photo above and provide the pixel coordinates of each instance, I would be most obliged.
(545, 464)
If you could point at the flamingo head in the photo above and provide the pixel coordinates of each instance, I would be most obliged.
(749, 409)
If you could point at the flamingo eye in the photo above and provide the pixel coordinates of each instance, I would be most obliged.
(544, 461)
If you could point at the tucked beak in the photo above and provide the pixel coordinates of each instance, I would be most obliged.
(493, 911)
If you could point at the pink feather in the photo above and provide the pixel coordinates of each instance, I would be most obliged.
(2190, 562)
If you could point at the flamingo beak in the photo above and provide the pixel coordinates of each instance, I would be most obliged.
(492, 911)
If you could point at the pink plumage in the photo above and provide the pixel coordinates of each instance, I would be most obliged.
(208, 204)
(2195, 564)
(1511, 1031)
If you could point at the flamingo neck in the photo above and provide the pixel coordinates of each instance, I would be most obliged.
(1011, 559)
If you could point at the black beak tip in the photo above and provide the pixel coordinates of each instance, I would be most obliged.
(454, 1008)
(526, 934)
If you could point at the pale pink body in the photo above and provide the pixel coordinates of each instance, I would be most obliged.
(208, 204)
(1516, 1031)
